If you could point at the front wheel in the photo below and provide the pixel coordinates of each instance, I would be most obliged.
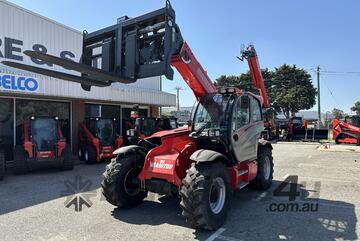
(265, 171)
(20, 160)
(205, 195)
(90, 155)
(120, 184)
(2, 164)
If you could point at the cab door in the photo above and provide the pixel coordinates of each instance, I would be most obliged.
(246, 127)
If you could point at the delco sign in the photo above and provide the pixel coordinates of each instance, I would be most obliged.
(18, 83)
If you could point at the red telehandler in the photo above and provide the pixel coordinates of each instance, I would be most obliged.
(204, 164)
(348, 131)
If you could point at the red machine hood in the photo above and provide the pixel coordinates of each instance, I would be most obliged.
(177, 131)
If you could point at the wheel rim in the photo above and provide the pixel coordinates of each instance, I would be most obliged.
(130, 187)
(86, 155)
(217, 195)
(267, 168)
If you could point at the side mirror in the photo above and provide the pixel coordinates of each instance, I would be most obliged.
(245, 102)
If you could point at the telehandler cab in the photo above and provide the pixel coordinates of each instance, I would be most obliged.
(203, 164)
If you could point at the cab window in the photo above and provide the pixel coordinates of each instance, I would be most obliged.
(255, 110)
(241, 116)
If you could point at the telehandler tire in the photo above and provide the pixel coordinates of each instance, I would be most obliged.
(20, 160)
(265, 172)
(120, 185)
(206, 195)
(2, 164)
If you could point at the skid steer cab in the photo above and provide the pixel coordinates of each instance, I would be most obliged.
(43, 145)
(146, 126)
(98, 139)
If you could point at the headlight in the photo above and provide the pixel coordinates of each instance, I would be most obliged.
(130, 132)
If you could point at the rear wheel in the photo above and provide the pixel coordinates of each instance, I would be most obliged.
(20, 160)
(90, 155)
(265, 172)
(81, 153)
(68, 161)
(206, 195)
(2, 164)
(120, 184)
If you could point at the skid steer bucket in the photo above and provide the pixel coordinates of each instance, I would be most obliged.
(310, 134)
(133, 48)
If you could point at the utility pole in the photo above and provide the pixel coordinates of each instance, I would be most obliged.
(318, 94)
(178, 88)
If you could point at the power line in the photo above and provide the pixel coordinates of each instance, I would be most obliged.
(332, 94)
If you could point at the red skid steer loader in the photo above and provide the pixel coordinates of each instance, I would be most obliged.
(348, 131)
(43, 145)
(98, 139)
(203, 165)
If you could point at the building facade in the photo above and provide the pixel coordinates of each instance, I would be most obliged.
(25, 94)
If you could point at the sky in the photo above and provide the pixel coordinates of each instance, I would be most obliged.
(305, 33)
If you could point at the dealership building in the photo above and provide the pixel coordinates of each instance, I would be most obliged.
(25, 94)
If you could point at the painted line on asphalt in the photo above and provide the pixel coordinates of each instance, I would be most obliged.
(261, 196)
(286, 176)
(216, 234)
(228, 238)
(308, 165)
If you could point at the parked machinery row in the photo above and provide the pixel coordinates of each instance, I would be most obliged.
(44, 145)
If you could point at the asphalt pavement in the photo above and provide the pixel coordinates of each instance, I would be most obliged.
(45, 205)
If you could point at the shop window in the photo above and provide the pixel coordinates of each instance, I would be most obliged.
(7, 127)
(25, 109)
(92, 110)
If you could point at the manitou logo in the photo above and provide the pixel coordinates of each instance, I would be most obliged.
(161, 165)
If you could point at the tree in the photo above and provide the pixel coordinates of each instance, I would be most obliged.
(292, 90)
(289, 88)
(337, 113)
(356, 107)
(243, 81)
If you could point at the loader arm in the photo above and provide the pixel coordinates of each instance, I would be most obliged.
(192, 72)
